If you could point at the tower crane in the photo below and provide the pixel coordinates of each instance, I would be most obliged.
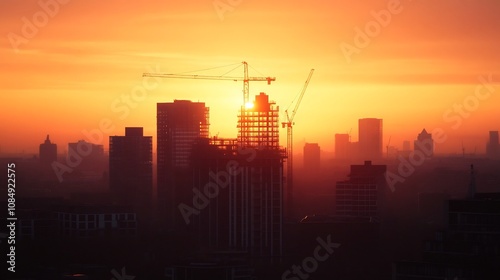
(246, 79)
(289, 140)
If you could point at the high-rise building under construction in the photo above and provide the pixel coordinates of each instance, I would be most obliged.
(258, 126)
(239, 186)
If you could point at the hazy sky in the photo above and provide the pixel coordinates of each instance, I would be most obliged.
(69, 65)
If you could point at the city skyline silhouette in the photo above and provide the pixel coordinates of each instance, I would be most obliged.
(250, 140)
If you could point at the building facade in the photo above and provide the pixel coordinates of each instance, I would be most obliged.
(360, 196)
(424, 144)
(84, 221)
(179, 124)
(493, 146)
(342, 146)
(131, 167)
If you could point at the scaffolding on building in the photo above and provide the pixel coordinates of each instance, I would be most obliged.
(258, 126)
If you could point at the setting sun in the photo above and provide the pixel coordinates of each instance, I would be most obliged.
(177, 140)
(249, 105)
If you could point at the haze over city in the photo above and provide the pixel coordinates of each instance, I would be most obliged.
(250, 140)
(88, 58)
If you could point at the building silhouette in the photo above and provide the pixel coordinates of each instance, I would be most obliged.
(58, 219)
(360, 196)
(96, 221)
(246, 212)
(468, 248)
(48, 152)
(178, 125)
(406, 151)
(130, 167)
(87, 158)
(493, 147)
(370, 138)
(424, 144)
(88, 151)
(239, 186)
(342, 146)
(312, 154)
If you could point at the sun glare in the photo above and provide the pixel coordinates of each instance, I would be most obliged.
(249, 105)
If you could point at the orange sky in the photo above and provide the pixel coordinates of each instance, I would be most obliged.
(84, 56)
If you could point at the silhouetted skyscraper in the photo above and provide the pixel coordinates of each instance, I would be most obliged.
(493, 147)
(48, 152)
(424, 144)
(342, 146)
(311, 156)
(178, 125)
(370, 138)
(130, 167)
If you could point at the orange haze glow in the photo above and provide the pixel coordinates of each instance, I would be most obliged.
(423, 67)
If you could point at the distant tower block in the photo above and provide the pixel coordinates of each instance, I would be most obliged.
(92, 154)
(424, 144)
(493, 147)
(342, 146)
(312, 153)
(48, 152)
(360, 195)
(130, 167)
(258, 125)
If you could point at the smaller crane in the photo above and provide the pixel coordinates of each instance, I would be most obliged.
(289, 141)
